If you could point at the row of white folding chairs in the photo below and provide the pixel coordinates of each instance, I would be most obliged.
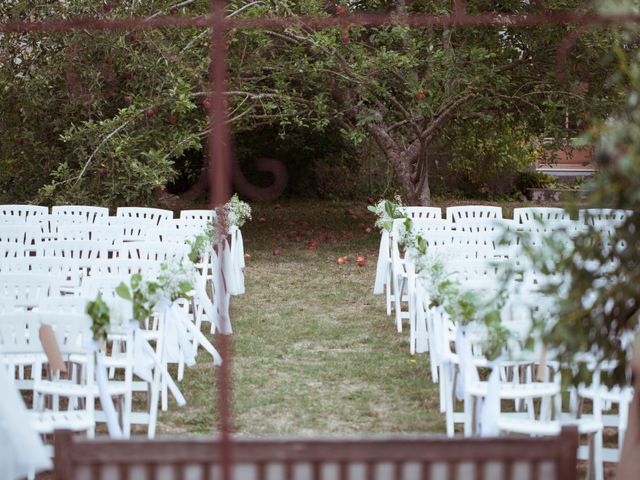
(33, 292)
(497, 238)
(85, 213)
(522, 215)
(437, 334)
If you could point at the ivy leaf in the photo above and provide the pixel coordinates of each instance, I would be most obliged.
(123, 291)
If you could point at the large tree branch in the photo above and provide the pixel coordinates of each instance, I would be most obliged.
(442, 117)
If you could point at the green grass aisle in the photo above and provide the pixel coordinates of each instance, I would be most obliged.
(314, 349)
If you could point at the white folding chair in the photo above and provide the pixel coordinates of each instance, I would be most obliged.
(85, 213)
(543, 215)
(121, 229)
(28, 288)
(29, 237)
(72, 231)
(157, 251)
(83, 252)
(603, 217)
(23, 213)
(72, 333)
(154, 216)
(461, 214)
(19, 338)
(67, 269)
(422, 213)
(206, 215)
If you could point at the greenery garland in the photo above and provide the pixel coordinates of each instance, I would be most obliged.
(464, 305)
(176, 279)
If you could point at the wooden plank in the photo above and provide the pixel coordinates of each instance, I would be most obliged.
(392, 450)
(568, 446)
(63, 462)
(425, 450)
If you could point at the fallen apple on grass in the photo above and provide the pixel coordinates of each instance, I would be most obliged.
(312, 245)
(276, 252)
(361, 260)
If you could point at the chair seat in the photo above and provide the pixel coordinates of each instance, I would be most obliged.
(72, 389)
(614, 395)
(48, 421)
(24, 359)
(516, 391)
(527, 426)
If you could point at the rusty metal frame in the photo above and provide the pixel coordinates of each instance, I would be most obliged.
(220, 169)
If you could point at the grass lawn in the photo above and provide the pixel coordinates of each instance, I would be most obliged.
(314, 351)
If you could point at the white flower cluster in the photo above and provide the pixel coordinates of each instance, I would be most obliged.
(176, 280)
(237, 211)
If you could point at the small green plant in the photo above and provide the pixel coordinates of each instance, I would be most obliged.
(531, 179)
(98, 310)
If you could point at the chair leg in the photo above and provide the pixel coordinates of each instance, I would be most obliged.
(468, 416)
(387, 290)
(397, 300)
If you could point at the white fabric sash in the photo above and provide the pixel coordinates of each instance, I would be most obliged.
(236, 286)
(177, 346)
(145, 359)
(383, 265)
(490, 410)
(22, 451)
(106, 401)
(221, 273)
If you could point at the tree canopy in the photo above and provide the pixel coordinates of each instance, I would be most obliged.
(102, 117)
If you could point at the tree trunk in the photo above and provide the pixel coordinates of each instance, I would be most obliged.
(415, 192)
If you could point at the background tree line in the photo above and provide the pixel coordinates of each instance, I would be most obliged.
(121, 117)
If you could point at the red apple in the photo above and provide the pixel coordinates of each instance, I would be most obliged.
(20, 140)
(149, 113)
(421, 95)
(127, 100)
(172, 119)
(361, 260)
(206, 104)
(276, 252)
(102, 172)
(341, 10)
(133, 37)
(107, 7)
(312, 245)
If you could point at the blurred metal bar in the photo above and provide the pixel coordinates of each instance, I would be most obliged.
(459, 18)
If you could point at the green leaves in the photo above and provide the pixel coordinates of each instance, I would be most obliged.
(98, 310)
(123, 291)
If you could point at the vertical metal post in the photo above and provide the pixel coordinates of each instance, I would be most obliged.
(219, 192)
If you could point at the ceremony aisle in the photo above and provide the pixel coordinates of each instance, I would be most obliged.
(314, 349)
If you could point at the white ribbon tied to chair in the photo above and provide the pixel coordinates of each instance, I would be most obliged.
(22, 452)
(177, 345)
(145, 359)
(222, 276)
(237, 260)
(488, 411)
(102, 381)
(383, 265)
